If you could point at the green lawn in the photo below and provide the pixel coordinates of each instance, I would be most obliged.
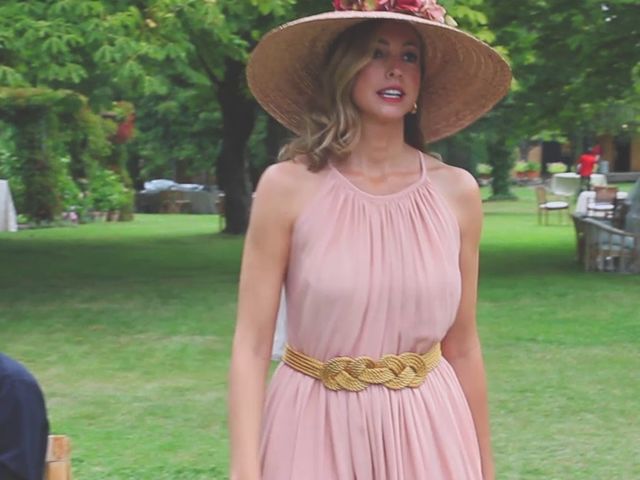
(128, 328)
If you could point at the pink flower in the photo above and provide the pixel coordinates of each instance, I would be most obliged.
(432, 11)
(340, 5)
(428, 9)
(413, 6)
(385, 5)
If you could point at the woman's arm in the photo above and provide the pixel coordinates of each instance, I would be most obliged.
(264, 263)
(461, 346)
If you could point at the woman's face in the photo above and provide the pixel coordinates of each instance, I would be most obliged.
(386, 89)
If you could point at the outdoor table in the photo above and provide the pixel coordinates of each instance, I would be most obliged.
(568, 183)
(8, 218)
(586, 197)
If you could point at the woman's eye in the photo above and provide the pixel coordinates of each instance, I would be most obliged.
(411, 57)
(377, 53)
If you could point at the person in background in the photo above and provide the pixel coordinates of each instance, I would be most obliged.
(586, 164)
(24, 427)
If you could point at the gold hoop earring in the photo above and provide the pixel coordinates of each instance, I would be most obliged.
(414, 110)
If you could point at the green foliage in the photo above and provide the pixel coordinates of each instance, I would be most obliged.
(45, 164)
(556, 167)
(176, 138)
(576, 63)
(70, 193)
(533, 166)
(483, 169)
(122, 110)
(521, 166)
(17, 103)
(575, 69)
(106, 191)
(465, 149)
(501, 159)
(470, 16)
(34, 113)
(10, 165)
(87, 141)
(39, 169)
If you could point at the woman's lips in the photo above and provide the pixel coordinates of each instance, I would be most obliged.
(391, 94)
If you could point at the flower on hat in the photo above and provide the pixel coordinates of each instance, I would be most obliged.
(362, 5)
(432, 10)
(428, 9)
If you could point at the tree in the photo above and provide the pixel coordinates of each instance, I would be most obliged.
(127, 50)
(36, 115)
(572, 60)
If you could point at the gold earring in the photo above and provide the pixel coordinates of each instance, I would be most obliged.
(414, 110)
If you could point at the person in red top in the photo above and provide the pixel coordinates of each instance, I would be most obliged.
(586, 165)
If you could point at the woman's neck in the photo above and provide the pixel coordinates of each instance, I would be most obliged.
(381, 148)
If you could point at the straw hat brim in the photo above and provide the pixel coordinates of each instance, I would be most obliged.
(464, 77)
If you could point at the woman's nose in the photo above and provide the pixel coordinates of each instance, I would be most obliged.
(393, 68)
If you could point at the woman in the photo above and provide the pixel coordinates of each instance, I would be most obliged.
(377, 244)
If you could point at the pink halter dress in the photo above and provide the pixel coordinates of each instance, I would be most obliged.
(370, 275)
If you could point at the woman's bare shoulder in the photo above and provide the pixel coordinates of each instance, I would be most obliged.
(288, 186)
(453, 182)
(461, 192)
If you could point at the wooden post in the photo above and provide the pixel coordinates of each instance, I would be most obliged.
(58, 461)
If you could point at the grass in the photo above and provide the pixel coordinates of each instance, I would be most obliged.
(128, 328)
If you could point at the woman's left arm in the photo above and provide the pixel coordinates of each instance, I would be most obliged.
(461, 346)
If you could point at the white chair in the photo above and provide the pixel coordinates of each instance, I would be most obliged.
(545, 206)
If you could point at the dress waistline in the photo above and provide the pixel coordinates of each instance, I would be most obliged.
(407, 370)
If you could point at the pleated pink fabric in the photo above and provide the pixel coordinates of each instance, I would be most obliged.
(370, 275)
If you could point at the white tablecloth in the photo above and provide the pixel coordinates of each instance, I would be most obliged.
(569, 183)
(8, 220)
(585, 197)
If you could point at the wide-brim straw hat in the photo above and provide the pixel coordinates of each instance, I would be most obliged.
(464, 77)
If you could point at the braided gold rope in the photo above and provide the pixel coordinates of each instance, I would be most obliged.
(356, 374)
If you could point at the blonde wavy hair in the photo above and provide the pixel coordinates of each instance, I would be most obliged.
(333, 125)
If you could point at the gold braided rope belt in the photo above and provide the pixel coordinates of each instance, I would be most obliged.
(356, 374)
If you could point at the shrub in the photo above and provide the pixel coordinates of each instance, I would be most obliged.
(10, 166)
(106, 191)
(484, 169)
(521, 166)
(533, 166)
(35, 114)
(556, 167)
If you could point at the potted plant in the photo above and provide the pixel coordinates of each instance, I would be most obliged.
(484, 170)
(533, 170)
(520, 169)
(556, 167)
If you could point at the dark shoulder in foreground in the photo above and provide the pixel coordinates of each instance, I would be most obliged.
(11, 369)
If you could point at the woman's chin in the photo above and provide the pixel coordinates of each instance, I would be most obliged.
(385, 117)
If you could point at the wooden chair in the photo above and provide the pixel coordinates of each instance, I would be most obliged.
(604, 203)
(545, 206)
(606, 249)
(581, 240)
(58, 460)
